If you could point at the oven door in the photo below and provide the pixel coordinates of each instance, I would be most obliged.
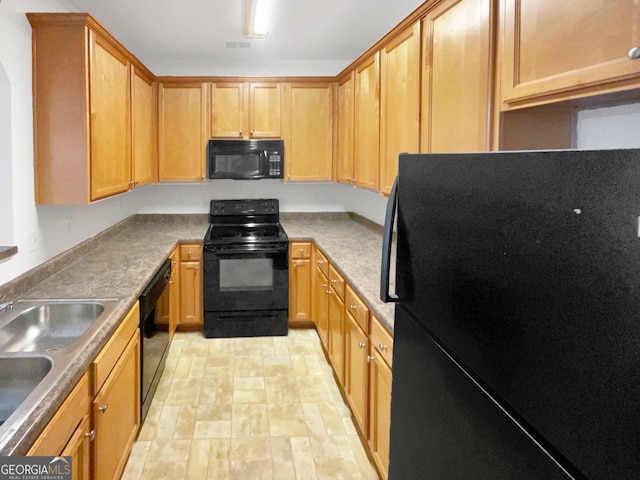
(237, 278)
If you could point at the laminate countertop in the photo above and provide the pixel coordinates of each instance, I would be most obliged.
(119, 262)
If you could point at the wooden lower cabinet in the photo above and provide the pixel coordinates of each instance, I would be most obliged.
(69, 432)
(336, 323)
(379, 411)
(299, 281)
(79, 449)
(356, 379)
(116, 413)
(174, 292)
(321, 306)
(191, 307)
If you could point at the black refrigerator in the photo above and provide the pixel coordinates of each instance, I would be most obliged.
(517, 323)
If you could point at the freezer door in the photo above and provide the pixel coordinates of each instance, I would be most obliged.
(444, 426)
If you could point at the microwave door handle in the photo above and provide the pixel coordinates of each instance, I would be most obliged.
(387, 239)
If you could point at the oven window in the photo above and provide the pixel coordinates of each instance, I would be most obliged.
(248, 164)
(246, 274)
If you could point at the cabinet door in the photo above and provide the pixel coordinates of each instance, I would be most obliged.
(79, 449)
(400, 102)
(554, 47)
(456, 96)
(228, 110)
(116, 413)
(174, 291)
(300, 289)
(367, 124)
(309, 131)
(265, 118)
(143, 123)
(191, 293)
(182, 132)
(109, 100)
(345, 130)
(320, 306)
(356, 382)
(379, 412)
(336, 334)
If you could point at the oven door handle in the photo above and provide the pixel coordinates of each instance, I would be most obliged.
(234, 250)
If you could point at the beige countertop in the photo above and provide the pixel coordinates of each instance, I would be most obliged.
(119, 263)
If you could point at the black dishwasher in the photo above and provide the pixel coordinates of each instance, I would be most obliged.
(154, 335)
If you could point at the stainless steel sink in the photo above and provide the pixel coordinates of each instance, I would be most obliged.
(39, 339)
(19, 376)
(48, 326)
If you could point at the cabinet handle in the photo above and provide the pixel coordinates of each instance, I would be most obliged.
(333, 280)
(295, 264)
(288, 178)
(240, 132)
(103, 408)
(361, 344)
(320, 262)
(324, 285)
(91, 435)
(634, 53)
(382, 347)
(197, 267)
(189, 253)
(251, 132)
(352, 307)
(302, 251)
(328, 292)
(171, 282)
(370, 359)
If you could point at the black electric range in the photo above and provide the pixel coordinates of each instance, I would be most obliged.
(246, 277)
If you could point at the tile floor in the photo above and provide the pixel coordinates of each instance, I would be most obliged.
(248, 408)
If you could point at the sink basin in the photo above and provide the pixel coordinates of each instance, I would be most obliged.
(19, 376)
(48, 326)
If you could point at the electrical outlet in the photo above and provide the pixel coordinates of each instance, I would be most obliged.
(34, 241)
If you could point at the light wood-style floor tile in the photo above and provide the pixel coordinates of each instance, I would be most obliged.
(248, 408)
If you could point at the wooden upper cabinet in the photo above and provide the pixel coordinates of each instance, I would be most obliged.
(265, 110)
(456, 77)
(308, 132)
(246, 110)
(182, 132)
(345, 130)
(84, 115)
(143, 121)
(555, 49)
(367, 123)
(109, 87)
(400, 102)
(227, 110)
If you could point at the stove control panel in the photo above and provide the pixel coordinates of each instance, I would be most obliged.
(244, 207)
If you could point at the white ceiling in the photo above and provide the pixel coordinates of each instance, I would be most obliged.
(187, 37)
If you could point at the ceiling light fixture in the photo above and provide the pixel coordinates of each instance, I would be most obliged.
(256, 17)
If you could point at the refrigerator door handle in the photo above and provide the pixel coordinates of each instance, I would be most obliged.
(390, 216)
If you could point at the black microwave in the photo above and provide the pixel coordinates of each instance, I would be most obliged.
(246, 159)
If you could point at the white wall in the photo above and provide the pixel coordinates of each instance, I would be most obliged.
(6, 176)
(611, 127)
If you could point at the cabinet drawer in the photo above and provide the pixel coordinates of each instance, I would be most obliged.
(191, 251)
(107, 358)
(58, 431)
(322, 263)
(300, 249)
(381, 340)
(357, 309)
(336, 281)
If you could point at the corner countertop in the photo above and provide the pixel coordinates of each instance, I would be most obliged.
(119, 264)
(353, 245)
